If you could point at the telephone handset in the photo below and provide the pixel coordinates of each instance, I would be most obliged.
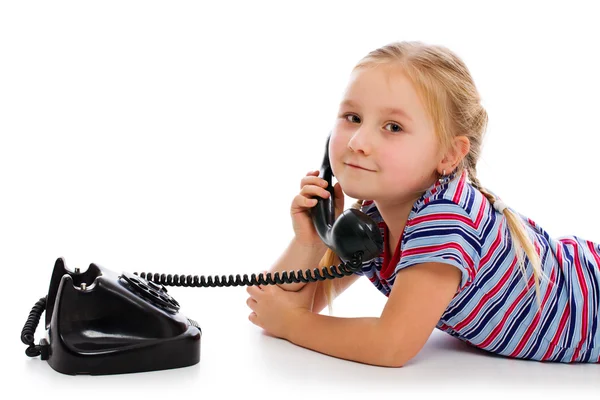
(353, 232)
(98, 322)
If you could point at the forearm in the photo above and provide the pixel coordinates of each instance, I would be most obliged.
(358, 339)
(298, 257)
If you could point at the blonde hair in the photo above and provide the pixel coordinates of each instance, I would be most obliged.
(451, 99)
(327, 261)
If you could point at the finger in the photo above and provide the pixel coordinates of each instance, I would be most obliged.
(253, 318)
(254, 291)
(313, 180)
(267, 288)
(250, 302)
(312, 190)
(302, 202)
(338, 193)
(337, 188)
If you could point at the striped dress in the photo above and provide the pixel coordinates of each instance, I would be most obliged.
(495, 308)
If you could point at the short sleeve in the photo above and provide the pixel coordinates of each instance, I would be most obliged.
(443, 232)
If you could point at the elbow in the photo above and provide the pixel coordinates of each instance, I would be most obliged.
(397, 354)
(393, 357)
(396, 347)
(395, 361)
(392, 364)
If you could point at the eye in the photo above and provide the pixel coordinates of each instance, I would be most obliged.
(352, 115)
(395, 127)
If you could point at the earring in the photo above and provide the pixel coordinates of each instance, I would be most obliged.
(443, 177)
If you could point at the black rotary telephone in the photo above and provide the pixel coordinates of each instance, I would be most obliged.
(99, 322)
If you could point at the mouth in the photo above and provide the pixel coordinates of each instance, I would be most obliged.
(357, 167)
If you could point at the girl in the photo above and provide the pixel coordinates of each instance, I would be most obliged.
(407, 138)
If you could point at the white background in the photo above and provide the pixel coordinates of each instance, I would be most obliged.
(172, 137)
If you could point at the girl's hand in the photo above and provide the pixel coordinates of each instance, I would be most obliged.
(273, 308)
(312, 186)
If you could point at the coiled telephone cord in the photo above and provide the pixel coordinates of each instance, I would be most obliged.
(343, 269)
(29, 329)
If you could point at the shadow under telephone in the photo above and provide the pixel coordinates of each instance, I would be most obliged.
(98, 322)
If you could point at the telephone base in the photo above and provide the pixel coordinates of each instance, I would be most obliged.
(101, 323)
(182, 351)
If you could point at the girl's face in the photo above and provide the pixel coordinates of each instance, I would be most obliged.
(383, 145)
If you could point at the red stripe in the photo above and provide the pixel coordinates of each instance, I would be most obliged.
(389, 260)
(492, 336)
(450, 245)
(441, 217)
(594, 253)
(481, 212)
(433, 191)
(493, 247)
(559, 331)
(535, 321)
(459, 187)
(486, 297)
(563, 319)
(597, 258)
(584, 290)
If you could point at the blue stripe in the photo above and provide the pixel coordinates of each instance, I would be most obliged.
(517, 322)
(495, 306)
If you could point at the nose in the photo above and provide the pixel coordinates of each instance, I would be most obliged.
(360, 142)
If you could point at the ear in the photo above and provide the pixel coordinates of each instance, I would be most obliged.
(458, 150)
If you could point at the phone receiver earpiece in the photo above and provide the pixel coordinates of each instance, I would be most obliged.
(353, 232)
